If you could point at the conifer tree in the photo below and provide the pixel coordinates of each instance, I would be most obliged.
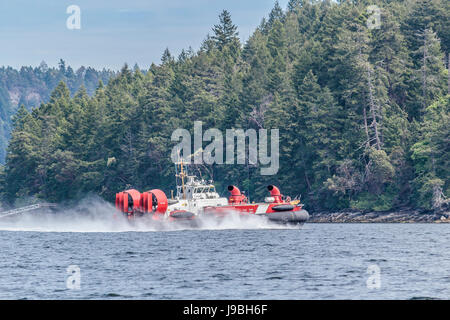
(431, 68)
(225, 34)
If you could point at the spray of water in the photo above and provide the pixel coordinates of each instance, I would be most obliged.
(93, 214)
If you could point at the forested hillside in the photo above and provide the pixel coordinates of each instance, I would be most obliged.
(31, 86)
(363, 112)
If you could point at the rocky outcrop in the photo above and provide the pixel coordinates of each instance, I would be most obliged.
(397, 216)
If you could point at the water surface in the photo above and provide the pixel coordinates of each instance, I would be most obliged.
(317, 261)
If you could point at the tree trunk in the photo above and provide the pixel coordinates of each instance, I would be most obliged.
(366, 128)
(448, 73)
(424, 71)
(372, 109)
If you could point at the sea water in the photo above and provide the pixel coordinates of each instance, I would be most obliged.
(87, 258)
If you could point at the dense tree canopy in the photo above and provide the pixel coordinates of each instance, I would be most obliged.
(363, 112)
(31, 86)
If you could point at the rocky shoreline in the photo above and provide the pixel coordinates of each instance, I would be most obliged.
(395, 216)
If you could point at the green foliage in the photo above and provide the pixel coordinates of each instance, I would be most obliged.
(29, 87)
(363, 113)
(226, 35)
(430, 155)
(369, 201)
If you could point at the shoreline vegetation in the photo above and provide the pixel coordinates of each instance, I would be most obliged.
(363, 114)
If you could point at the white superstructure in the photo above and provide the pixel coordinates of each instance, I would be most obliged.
(193, 194)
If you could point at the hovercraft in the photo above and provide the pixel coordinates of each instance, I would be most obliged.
(196, 198)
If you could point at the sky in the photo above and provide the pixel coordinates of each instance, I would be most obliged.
(114, 32)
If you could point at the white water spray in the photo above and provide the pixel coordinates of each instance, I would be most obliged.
(93, 214)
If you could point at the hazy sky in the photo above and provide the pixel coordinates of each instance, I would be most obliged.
(114, 32)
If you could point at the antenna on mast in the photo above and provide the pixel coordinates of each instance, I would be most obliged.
(183, 171)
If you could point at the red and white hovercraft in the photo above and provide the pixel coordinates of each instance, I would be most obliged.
(195, 198)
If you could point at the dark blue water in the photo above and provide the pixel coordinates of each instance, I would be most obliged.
(317, 261)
